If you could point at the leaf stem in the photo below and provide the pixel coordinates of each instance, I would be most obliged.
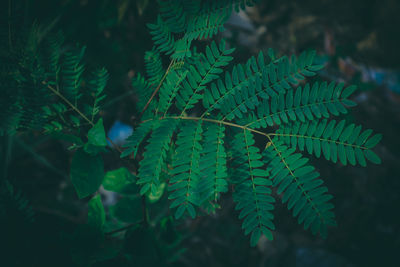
(57, 93)
(219, 122)
(158, 88)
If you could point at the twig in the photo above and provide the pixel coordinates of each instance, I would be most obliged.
(57, 93)
(158, 88)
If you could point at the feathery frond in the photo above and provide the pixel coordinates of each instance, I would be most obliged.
(213, 167)
(302, 104)
(47, 87)
(184, 183)
(154, 156)
(154, 68)
(135, 140)
(201, 73)
(143, 92)
(333, 140)
(162, 36)
(170, 88)
(252, 192)
(246, 85)
(300, 186)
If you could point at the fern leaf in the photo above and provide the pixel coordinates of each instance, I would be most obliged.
(213, 163)
(172, 13)
(170, 88)
(301, 188)
(252, 192)
(333, 140)
(184, 184)
(50, 54)
(207, 24)
(154, 156)
(71, 73)
(136, 138)
(154, 68)
(247, 84)
(162, 37)
(96, 85)
(143, 91)
(202, 73)
(301, 104)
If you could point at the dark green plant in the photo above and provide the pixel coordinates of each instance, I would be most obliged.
(260, 94)
(195, 137)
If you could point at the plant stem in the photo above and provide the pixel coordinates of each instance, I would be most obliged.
(219, 122)
(57, 93)
(158, 88)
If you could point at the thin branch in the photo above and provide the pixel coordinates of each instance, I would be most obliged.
(219, 122)
(69, 103)
(57, 93)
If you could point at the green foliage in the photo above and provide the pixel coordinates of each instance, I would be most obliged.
(47, 85)
(186, 170)
(195, 138)
(253, 192)
(321, 101)
(272, 94)
(154, 157)
(300, 186)
(96, 138)
(154, 68)
(333, 140)
(213, 163)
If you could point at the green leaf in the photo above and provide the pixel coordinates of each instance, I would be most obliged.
(156, 197)
(373, 141)
(96, 138)
(118, 180)
(371, 156)
(348, 91)
(87, 173)
(255, 236)
(96, 214)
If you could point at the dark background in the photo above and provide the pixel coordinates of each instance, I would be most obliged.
(358, 40)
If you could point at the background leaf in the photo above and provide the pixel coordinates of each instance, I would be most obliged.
(87, 173)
